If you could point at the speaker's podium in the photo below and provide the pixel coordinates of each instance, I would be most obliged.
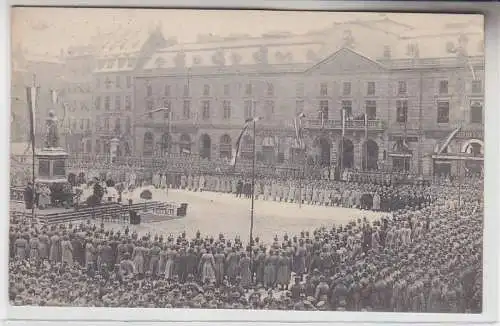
(135, 218)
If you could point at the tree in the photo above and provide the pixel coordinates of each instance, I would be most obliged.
(146, 195)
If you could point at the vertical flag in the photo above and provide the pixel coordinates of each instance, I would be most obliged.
(471, 70)
(31, 96)
(322, 113)
(298, 129)
(240, 137)
(366, 125)
(343, 123)
(54, 96)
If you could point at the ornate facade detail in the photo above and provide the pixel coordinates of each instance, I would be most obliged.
(348, 40)
(180, 59)
(261, 55)
(235, 58)
(219, 58)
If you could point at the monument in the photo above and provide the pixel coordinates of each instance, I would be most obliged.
(52, 157)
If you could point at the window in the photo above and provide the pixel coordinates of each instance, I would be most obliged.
(323, 108)
(87, 124)
(477, 86)
(106, 123)
(186, 90)
(128, 125)
(347, 107)
(206, 110)
(443, 87)
(98, 124)
(118, 125)
(107, 103)
(97, 103)
(248, 89)
(108, 83)
(226, 106)
(166, 113)
(149, 90)
(206, 90)
(443, 112)
(402, 111)
(323, 89)
(98, 83)
(118, 81)
(371, 109)
(269, 109)
(227, 90)
(402, 87)
(167, 90)
(299, 107)
(346, 88)
(128, 103)
(370, 88)
(82, 124)
(248, 107)
(270, 89)
(118, 103)
(299, 90)
(129, 81)
(476, 112)
(186, 110)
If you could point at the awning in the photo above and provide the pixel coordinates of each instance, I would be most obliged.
(457, 157)
(400, 154)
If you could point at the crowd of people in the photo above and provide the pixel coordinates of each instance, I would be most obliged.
(424, 257)
(378, 196)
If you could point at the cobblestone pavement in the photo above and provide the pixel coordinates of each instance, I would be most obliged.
(214, 213)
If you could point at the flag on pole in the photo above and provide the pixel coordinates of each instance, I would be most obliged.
(366, 125)
(31, 96)
(322, 118)
(298, 129)
(343, 113)
(236, 152)
(54, 96)
(472, 70)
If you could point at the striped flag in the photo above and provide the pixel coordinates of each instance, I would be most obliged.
(366, 125)
(240, 137)
(343, 122)
(54, 96)
(31, 96)
(298, 129)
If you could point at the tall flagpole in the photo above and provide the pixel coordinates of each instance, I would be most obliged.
(33, 103)
(342, 144)
(366, 140)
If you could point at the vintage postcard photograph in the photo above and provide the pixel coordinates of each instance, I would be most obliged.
(261, 160)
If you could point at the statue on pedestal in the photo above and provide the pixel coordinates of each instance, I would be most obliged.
(52, 138)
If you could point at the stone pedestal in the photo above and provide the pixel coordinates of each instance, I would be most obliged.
(51, 165)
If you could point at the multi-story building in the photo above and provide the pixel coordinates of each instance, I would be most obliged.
(118, 56)
(76, 98)
(422, 93)
(27, 69)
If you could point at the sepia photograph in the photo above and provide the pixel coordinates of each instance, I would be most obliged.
(246, 159)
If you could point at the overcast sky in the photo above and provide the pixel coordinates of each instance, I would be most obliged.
(47, 30)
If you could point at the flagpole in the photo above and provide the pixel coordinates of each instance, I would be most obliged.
(253, 195)
(342, 144)
(32, 108)
(366, 140)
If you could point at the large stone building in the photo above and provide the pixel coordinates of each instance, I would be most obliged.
(118, 56)
(422, 93)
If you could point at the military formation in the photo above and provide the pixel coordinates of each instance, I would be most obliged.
(423, 258)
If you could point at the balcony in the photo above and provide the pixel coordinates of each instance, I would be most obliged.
(378, 124)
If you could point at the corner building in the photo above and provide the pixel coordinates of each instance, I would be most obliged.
(422, 94)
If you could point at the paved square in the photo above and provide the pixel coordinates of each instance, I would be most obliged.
(214, 213)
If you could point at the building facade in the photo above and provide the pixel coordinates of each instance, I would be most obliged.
(118, 56)
(422, 95)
